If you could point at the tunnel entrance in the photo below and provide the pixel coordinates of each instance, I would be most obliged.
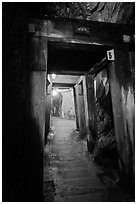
(72, 63)
(72, 48)
(91, 95)
(82, 94)
(35, 46)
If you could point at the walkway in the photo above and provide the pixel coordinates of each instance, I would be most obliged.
(70, 175)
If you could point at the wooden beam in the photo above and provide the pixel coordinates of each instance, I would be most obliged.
(63, 72)
(90, 106)
(98, 67)
(81, 110)
(123, 109)
(63, 85)
(125, 29)
(65, 31)
(76, 108)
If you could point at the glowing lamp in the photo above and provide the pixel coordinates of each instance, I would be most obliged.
(54, 92)
(53, 76)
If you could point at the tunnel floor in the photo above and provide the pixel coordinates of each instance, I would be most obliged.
(70, 174)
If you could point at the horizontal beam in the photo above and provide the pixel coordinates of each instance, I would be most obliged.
(63, 72)
(98, 67)
(123, 28)
(76, 31)
(62, 85)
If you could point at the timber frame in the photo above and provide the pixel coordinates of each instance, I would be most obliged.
(113, 36)
(81, 31)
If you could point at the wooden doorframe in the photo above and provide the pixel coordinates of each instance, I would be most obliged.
(101, 34)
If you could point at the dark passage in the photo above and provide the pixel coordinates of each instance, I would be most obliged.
(84, 153)
(70, 174)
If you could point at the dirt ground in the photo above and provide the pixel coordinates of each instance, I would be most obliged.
(70, 174)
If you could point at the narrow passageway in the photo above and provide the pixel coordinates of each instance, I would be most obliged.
(70, 174)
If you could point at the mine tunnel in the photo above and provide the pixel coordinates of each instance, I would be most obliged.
(68, 100)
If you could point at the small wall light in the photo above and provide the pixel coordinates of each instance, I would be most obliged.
(53, 76)
(54, 92)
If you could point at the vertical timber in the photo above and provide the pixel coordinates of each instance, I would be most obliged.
(76, 108)
(91, 112)
(48, 108)
(36, 117)
(123, 110)
(81, 109)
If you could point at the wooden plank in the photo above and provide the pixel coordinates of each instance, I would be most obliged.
(34, 148)
(76, 108)
(92, 122)
(63, 72)
(63, 85)
(47, 111)
(100, 33)
(68, 27)
(37, 53)
(123, 109)
(81, 111)
(98, 67)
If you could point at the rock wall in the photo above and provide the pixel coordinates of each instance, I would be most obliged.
(106, 149)
(112, 12)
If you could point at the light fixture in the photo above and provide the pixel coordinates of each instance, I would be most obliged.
(54, 92)
(53, 76)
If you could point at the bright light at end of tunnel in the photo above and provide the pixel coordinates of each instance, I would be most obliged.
(54, 92)
(53, 76)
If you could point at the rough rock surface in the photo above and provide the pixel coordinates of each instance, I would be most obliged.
(105, 152)
(112, 12)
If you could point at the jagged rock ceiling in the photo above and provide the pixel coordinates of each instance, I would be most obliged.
(113, 12)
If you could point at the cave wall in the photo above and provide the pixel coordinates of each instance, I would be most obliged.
(112, 12)
(106, 152)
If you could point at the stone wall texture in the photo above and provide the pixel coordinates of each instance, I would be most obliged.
(112, 12)
(106, 152)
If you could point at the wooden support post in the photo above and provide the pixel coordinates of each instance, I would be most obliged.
(76, 108)
(91, 112)
(123, 109)
(36, 117)
(81, 109)
(96, 68)
(47, 111)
